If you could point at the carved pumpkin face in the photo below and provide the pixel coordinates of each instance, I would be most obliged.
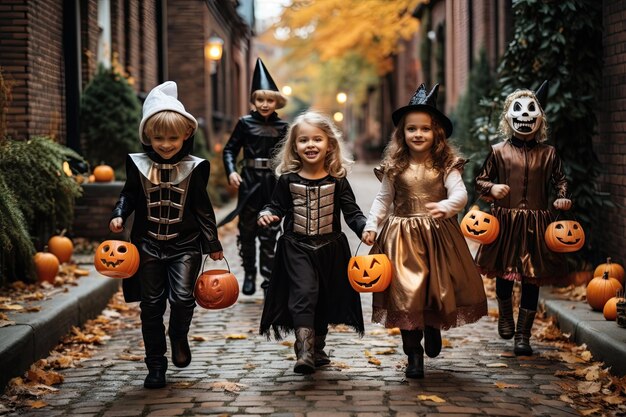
(216, 289)
(564, 236)
(116, 259)
(480, 226)
(369, 273)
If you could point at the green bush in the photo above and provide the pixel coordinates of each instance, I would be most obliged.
(109, 118)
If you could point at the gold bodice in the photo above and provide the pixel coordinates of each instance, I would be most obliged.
(416, 186)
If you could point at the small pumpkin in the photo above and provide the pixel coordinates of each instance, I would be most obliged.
(615, 270)
(610, 309)
(103, 173)
(369, 273)
(61, 246)
(479, 226)
(47, 266)
(216, 289)
(116, 259)
(564, 236)
(601, 289)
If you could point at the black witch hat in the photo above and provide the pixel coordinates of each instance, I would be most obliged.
(424, 102)
(261, 79)
(542, 94)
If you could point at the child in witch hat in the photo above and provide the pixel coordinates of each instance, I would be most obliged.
(435, 283)
(174, 224)
(517, 176)
(258, 134)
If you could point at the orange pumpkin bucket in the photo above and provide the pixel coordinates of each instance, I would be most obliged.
(369, 273)
(479, 226)
(116, 259)
(564, 236)
(216, 288)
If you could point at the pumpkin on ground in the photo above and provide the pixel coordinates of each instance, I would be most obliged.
(47, 266)
(564, 236)
(103, 173)
(610, 308)
(615, 270)
(369, 273)
(216, 289)
(116, 259)
(601, 289)
(61, 246)
(480, 226)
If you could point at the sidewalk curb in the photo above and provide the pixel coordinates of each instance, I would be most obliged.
(604, 339)
(35, 334)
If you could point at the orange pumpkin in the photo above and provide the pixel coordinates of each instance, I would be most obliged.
(369, 273)
(564, 236)
(610, 308)
(216, 289)
(61, 246)
(47, 266)
(601, 289)
(480, 226)
(615, 270)
(103, 173)
(116, 259)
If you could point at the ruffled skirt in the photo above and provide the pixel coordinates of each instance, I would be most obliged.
(520, 249)
(435, 281)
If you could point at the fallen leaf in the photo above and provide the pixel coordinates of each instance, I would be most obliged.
(227, 386)
(6, 323)
(81, 272)
(613, 399)
(374, 361)
(13, 307)
(503, 385)
(432, 398)
(340, 365)
(236, 336)
(44, 377)
(497, 365)
(389, 351)
(589, 387)
(199, 338)
(394, 331)
(249, 366)
(590, 411)
(566, 399)
(287, 343)
(36, 404)
(129, 357)
(445, 343)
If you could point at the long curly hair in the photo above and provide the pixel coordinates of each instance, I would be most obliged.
(396, 157)
(505, 129)
(287, 159)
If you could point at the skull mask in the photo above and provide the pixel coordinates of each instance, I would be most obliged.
(524, 115)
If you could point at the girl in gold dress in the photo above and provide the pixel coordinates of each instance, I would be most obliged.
(435, 283)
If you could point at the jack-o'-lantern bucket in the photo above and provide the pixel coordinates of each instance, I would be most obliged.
(479, 226)
(369, 273)
(216, 288)
(564, 236)
(116, 259)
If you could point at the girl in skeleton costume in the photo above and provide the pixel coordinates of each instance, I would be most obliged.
(309, 288)
(258, 134)
(174, 224)
(517, 176)
(435, 283)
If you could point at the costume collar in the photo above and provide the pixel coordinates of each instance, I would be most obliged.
(257, 115)
(519, 143)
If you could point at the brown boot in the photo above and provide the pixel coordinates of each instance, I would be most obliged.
(305, 350)
(525, 321)
(412, 346)
(321, 358)
(506, 324)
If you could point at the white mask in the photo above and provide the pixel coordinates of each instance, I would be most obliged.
(524, 116)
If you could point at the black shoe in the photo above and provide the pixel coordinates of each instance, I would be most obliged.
(249, 284)
(181, 354)
(432, 341)
(506, 323)
(521, 345)
(155, 378)
(415, 367)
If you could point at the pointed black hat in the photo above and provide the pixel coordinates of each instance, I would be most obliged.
(421, 101)
(542, 94)
(261, 79)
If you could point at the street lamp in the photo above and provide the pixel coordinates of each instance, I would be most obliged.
(287, 90)
(342, 98)
(338, 117)
(213, 48)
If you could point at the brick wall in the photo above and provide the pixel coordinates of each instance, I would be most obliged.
(92, 211)
(610, 144)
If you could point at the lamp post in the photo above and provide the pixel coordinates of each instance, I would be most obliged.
(213, 49)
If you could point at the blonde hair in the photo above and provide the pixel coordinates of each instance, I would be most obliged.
(505, 129)
(396, 157)
(281, 100)
(165, 122)
(287, 159)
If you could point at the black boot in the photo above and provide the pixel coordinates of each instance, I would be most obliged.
(305, 350)
(321, 358)
(249, 284)
(157, 367)
(506, 324)
(432, 341)
(181, 353)
(525, 321)
(411, 344)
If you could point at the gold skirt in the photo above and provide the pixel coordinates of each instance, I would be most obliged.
(435, 282)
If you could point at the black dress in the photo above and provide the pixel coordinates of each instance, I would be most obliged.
(309, 285)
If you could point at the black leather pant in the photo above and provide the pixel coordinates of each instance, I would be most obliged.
(248, 232)
(167, 272)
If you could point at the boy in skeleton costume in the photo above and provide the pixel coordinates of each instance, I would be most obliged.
(174, 224)
(517, 176)
(259, 134)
